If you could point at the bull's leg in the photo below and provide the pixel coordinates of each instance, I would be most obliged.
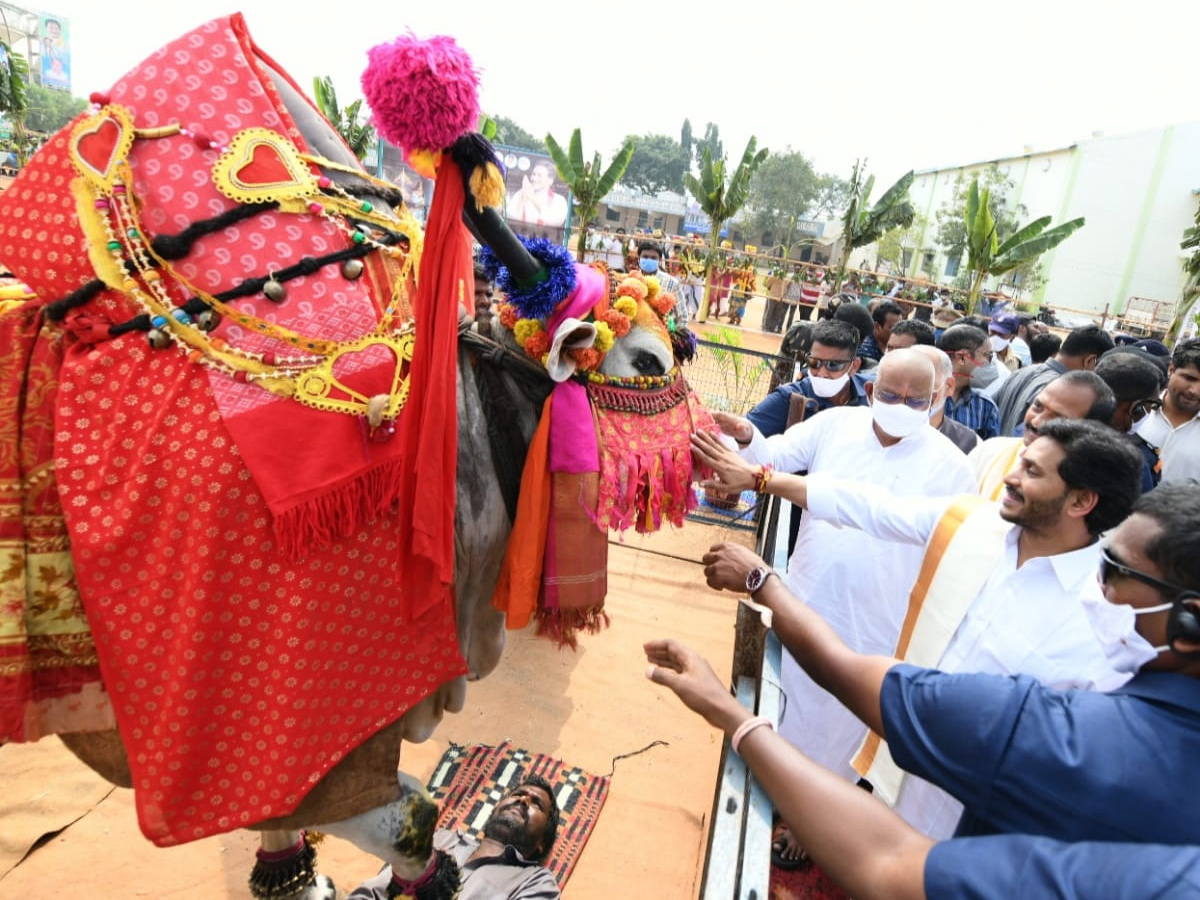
(286, 869)
(401, 834)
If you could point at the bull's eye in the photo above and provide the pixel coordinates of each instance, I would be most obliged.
(647, 363)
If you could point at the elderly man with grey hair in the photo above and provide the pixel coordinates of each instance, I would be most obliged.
(960, 435)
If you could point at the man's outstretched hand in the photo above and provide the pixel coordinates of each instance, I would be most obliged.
(689, 675)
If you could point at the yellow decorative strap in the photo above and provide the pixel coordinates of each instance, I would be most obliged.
(320, 388)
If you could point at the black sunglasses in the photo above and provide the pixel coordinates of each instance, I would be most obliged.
(1110, 565)
(1143, 408)
(830, 365)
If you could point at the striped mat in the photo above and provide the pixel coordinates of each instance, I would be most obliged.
(469, 781)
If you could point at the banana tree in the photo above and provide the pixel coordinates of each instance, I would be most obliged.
(350, 123)
(721, 198)
(986, 255)
(863, 224)
(589, 185)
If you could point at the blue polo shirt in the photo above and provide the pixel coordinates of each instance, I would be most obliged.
(1005, 866)
(1071, 765)
(770, 416)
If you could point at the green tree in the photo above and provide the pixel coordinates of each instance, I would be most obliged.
(351, 123)
(14, 99)
(862, 225)
(588, 183)
(893, 244)
(711, 141)
(50, 110)
(987, 255)
(658, 164)
(721, 197)
(781, 193)
(833, 194)
(510, 134)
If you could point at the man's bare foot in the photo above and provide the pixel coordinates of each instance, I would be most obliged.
(785, 852)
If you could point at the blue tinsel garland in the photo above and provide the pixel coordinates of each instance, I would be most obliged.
(538, 300)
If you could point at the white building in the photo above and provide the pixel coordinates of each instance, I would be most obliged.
(1138, 193)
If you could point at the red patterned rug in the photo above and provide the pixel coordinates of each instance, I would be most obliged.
(469, 781)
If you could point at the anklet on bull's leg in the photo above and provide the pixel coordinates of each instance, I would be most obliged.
(438, 882)
(279, 874)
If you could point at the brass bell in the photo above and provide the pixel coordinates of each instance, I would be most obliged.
(159, 339)
(274, 290)
(208, 320)
(352, 269)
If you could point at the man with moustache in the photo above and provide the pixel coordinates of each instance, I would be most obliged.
(506, 863)
(1174, 429)
(1072, 395)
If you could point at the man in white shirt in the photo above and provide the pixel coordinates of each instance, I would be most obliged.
(1030, 560)
(859, 586)
(1174, 429)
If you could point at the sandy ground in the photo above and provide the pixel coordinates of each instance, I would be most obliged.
(586, 708)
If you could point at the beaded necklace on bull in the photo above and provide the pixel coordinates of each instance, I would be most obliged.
(126, 261)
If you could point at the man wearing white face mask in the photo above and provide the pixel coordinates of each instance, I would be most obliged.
(1001, 331)
(1030, 571)
(860, 586)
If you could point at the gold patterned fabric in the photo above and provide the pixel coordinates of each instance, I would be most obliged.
(49, 674)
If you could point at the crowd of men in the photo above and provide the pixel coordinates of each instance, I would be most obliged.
(994, 627)
(990, 612)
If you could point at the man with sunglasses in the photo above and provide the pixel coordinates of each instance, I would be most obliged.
(830, 379)
(1174, 429)
(1023, 757)
(859, 585)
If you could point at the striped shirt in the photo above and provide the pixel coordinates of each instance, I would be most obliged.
(976, 411)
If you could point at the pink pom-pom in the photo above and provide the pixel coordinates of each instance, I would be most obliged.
(423, 94)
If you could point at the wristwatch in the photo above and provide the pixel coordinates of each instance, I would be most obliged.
(756, 578)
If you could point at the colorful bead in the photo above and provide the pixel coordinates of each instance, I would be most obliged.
(181, 316)
(324, 182)
(366, 206)
(316, 208)
(158, 321)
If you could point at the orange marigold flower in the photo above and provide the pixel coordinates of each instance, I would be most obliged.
(663, 303)
(538, 345)
(587, 358)
(508, 315)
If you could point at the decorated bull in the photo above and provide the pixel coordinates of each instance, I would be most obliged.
(260, 476)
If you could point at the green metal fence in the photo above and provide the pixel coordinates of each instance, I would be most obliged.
(730, 378)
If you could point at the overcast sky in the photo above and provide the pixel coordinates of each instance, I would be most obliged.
(903, 84)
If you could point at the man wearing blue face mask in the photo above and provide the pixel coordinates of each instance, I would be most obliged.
(1022, 756)
(650, 263)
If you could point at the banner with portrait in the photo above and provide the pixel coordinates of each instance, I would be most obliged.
(56, 52)
(538, 202)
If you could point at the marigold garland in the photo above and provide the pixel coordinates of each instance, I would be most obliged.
(611, 322)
